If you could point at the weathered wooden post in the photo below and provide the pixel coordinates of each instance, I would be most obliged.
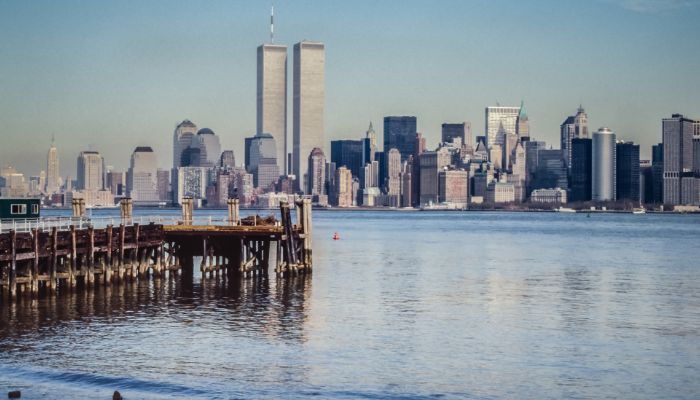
(73, 258)
(35, 263)
(233, 211)
(90, 271)
(305, 222)
(187, 210)
(54, 260)
(13, 265)
(126, 207)
(107, 272)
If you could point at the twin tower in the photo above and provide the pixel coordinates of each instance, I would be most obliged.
(308, 103)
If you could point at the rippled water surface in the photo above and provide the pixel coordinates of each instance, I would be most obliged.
(405, 305)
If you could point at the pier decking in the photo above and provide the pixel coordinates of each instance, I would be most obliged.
(47, 257)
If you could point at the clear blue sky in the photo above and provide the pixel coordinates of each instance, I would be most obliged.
(113, 75)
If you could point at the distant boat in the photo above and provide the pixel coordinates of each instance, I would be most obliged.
(639, 211)
(564, 209)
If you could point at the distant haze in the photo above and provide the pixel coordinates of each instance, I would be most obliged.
(110, 76)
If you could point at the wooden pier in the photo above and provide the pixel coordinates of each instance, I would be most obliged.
(48, 261)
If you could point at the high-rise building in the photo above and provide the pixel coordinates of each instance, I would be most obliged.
(272, 98)
(678, 159)
(116, 183)
(500, 121)
(348, 153)
(163, 184)
(657, 174)
(393, 163)
(431, 163)
(453, 187)
(550, 171)
(627, 172)
(228, 160)
(308, 105)
(53, 174)
(575, 126)
(461, 131)
(191, 182)
(523, 127)
(400, 133)
(184, 135)
(344, 190)
(603, 166)
(90, 171)
(209, 148)
(581, 172)
(418, 149)
(317, 173)
(261, 152)
(142, 177)
(370, 143)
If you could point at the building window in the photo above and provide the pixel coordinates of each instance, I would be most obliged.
(35, 209)
(18, 209)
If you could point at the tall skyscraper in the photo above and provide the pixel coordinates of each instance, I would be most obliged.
(261, 152)
(627, 172)
(400, 133)
(575, 126)
(272, 97)
(185, 133)
(209, 148)
(679, 181)
(142, 177)
(450, 132)
(308, 105)
(343, 187)
(90, 171)
(523, 127)
(499, 122)
(431, 163)
(53, 175)
(393, 166)
(317, 173)
(348, 153)
(581, 172)
(657, 174)
(603, 166)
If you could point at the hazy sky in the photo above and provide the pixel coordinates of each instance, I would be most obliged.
(113, 75)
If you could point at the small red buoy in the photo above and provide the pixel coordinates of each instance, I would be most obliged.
(336, 236)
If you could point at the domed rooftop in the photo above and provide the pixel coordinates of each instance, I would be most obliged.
(187, 123)
(205, 131)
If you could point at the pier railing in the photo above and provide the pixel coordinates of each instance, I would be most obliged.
(65, 223)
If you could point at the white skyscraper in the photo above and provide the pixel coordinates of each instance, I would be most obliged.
(53, 176)
(500, 121)
(309, 105)
(603, 165)
(142, 178)
(272, 97)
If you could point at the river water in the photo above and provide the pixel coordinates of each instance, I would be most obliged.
(406, 305)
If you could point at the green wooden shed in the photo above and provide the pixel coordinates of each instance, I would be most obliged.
(19, 208)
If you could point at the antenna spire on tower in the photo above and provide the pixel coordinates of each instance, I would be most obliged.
(272, 24)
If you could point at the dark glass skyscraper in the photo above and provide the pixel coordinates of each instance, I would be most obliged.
(348, 153)
(581, 173)
(400, 133)
(452, 131)
(627, 171)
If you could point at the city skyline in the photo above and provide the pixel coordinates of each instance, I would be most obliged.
(89, 90)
